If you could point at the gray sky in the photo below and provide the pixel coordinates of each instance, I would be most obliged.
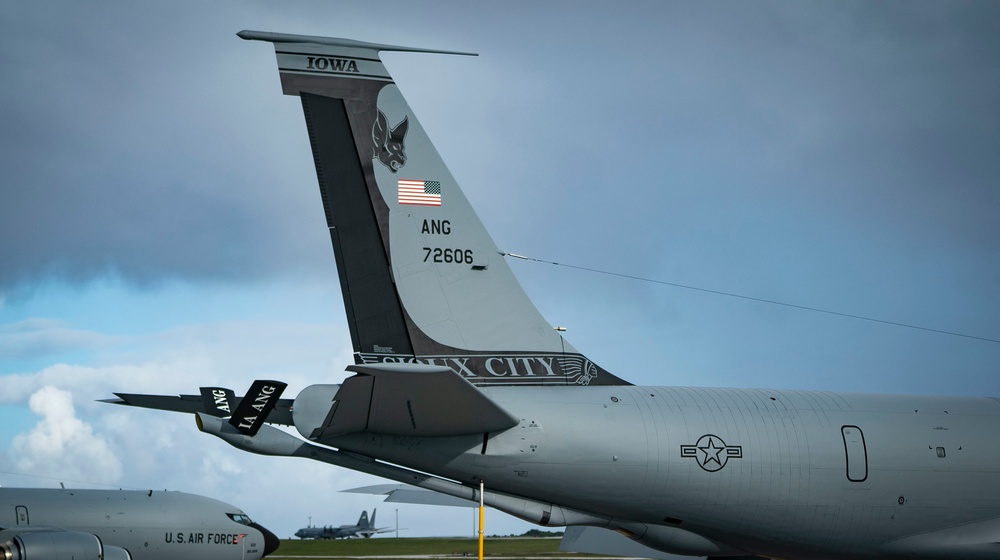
(161, 229)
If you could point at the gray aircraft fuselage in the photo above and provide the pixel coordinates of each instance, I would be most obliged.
(733, 464)
(149, 525)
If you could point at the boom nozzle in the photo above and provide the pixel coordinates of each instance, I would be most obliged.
(268, 440)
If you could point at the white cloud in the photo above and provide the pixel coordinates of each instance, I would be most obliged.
(62, 445)
(45, 337)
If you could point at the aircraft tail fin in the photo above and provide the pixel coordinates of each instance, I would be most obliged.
(371, 522)
(421, 277)
(363, 520)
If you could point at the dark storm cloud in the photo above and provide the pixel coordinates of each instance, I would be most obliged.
(129, 149)
(881, 113)
(774, 146)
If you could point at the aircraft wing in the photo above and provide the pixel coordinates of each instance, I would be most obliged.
(596, 540)
(590, 540)
(406, 494)
(366, 533)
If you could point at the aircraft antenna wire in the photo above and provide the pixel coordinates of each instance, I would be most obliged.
(751, 298)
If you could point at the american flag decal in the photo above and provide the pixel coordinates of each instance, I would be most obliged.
(419, 193)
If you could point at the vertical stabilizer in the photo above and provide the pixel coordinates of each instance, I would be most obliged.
(422, 279)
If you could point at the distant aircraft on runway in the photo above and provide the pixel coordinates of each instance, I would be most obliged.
(460, 381)
(46, 523)
(363, 528)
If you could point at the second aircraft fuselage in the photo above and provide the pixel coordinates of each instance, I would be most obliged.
(821, 474)
(149, 525)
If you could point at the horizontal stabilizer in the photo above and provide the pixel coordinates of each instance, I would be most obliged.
(401, 399)
(278, 38)
(259, 401)
(193, 404)
(174, 403)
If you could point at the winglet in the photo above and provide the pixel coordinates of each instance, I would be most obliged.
(252, 411)
(218, 401)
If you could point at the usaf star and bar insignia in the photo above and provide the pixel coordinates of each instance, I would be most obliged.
(711, 453)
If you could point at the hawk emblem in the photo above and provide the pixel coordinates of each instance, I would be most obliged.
(388, 142)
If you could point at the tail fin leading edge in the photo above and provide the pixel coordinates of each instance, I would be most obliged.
(422, 279)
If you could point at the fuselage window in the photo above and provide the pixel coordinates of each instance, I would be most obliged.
(240, 518)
